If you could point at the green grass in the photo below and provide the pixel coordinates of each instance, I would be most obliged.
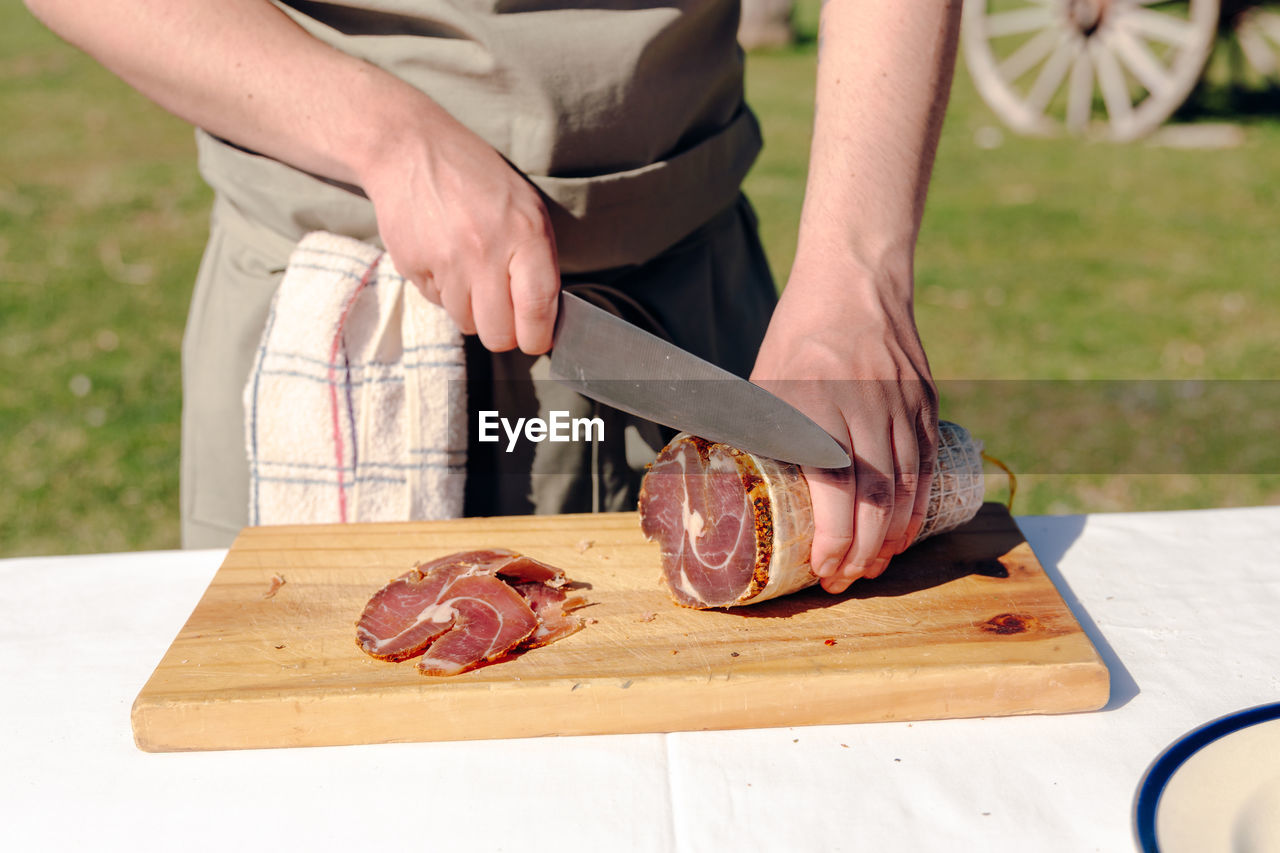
(1068, 260)
(1038, 260)
(101, 225)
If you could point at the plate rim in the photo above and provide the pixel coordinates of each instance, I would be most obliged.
(1157, 775)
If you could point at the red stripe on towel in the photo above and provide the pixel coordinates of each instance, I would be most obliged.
(334, 409)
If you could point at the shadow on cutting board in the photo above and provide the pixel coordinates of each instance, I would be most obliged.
(948, 557)
(932, 563)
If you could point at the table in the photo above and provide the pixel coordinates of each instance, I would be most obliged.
(1181, 605)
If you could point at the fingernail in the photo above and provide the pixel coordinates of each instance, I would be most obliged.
(828, 568)
(837, 586)
(877, 568)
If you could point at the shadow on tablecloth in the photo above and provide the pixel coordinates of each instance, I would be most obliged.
(1053, 536)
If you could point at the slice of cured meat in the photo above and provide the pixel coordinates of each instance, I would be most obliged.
(551, 606)
(734, 528)
(461, 610)
(487, 619)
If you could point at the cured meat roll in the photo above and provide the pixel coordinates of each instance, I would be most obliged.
(467, 608)
(735, 528)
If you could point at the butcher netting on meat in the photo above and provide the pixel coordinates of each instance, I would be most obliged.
(958, 486)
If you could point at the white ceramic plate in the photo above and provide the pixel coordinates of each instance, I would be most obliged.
(1215, 789)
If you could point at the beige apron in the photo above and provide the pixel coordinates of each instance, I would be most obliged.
(629, 119)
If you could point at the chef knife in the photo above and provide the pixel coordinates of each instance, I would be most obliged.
(608, 359)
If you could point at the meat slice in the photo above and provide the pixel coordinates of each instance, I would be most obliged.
(403, 617)
(489, 619)
(461, 610)
(551, 606)
(517, 567)
(734, 528)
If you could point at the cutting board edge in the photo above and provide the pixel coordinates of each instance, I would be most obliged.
(166, 725)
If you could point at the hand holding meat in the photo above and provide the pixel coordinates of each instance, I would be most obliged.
(845, 318)
(866, 381)
(734, 528)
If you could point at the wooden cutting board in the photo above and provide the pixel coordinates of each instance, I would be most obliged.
(966, 624)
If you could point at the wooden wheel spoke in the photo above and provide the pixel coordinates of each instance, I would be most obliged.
(1080, 93)
(1028, 55)
(1157, 26)
(1017, 21)
(1051, 75)
(1255, 48)
(1139, 59)
(1268, 23)
(1115, 91)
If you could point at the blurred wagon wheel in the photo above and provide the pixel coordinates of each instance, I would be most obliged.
(1110, 68)
(1257, 32)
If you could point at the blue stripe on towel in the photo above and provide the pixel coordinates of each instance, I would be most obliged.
(327, 365)
(350, 469)
(373, 380)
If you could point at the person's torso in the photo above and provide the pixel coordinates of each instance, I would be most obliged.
(562, 89)
(628, 116)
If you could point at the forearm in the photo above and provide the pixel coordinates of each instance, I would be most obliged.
(884, 76)
(243, 70)
(846, 316)
(457, 220)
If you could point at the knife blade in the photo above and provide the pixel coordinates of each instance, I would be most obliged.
(608, 359)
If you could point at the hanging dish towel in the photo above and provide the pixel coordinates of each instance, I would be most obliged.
(356, 406)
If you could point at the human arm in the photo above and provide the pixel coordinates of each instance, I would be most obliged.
(455, 217)
(845, 323)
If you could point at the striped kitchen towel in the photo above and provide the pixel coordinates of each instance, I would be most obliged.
(356, 406)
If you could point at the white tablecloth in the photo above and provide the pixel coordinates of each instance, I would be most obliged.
(1182, 606)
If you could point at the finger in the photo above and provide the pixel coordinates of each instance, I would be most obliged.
(492, 310)
(836, 585)
(873, 460)
(427, 287)
(906, 476)
(535, 285)
(927, 443)
(831, 494)
(456, 300)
